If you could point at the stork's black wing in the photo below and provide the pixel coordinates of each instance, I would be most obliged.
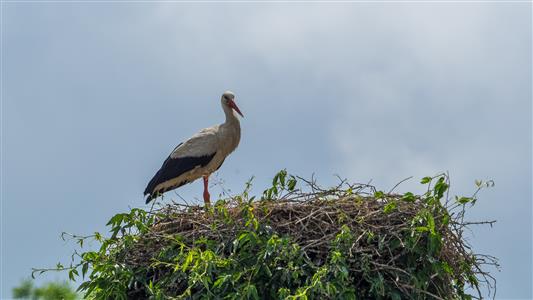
(172, 168)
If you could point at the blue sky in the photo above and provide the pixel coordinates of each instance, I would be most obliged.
(97, 94)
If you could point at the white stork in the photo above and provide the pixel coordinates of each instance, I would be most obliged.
(200, 155)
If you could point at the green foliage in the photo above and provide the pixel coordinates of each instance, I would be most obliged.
(24, 290)
(242, 254)
(280, 183)
(49, 291)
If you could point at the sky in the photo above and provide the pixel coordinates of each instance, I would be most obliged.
(95, 96)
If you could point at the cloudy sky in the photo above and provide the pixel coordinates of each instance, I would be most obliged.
(95, 95)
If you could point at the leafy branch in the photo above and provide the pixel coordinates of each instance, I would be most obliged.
(297, 241)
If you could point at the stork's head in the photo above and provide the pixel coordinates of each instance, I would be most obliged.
(228, 100)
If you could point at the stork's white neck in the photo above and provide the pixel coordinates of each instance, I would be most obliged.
(231, 115)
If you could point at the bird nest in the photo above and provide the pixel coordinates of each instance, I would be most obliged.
(370, 243)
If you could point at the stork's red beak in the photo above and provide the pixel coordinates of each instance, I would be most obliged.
(234, 106)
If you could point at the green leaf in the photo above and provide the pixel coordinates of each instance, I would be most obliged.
(72, 273)
(83, 286)
(425, 180)
(379, 194)
(84, 269)
(389, 207)
(188, 261)
(421, 228)
(431, 223)
(445, 219)
(220, 281)
(446, 268)
(440, 188)
(251, 292)
(463, 200)
(291, 184)
(282, 180)
(408, 197)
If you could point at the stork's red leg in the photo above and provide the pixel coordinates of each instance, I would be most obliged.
(207, 202)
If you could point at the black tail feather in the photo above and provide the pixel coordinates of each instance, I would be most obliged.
(173, 168)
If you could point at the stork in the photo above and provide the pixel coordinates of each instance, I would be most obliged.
(200, 155)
